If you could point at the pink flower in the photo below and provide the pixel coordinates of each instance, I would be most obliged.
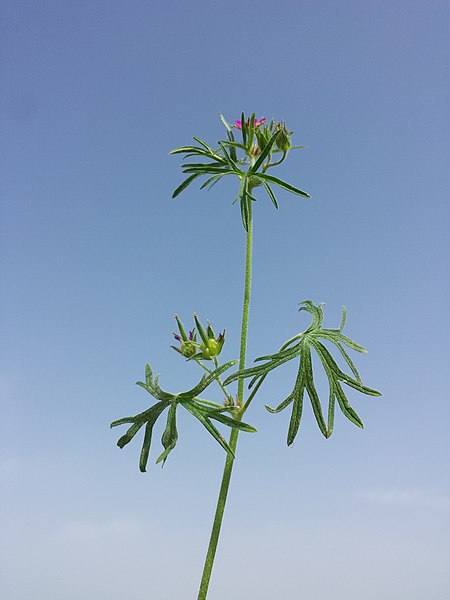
(258, 122)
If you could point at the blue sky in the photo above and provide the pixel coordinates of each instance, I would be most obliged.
(96, 258)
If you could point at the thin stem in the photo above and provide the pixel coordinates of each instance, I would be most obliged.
(274, 164)
(246, 303)
(218, 517)
(219, 381)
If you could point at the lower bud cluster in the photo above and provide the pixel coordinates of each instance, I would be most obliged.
(207, 348)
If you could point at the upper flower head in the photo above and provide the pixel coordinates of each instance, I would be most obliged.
(258, 122)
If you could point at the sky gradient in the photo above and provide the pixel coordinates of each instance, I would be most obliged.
(96, 258)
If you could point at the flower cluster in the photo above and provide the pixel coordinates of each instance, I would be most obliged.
(261, 146)
(208, 349)
(257, 134)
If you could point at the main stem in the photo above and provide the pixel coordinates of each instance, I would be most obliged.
(218, 517)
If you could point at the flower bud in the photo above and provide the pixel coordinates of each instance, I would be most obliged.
(283, 140)
(254, 151)
(212, 345)
(188, 344)
(210, 349)
(188, 349)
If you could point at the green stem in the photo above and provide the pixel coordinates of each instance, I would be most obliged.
(219, 381)
(218, 517)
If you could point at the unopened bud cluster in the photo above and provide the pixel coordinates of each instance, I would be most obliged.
(207, 348)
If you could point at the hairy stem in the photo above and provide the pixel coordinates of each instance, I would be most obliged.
(218, 517)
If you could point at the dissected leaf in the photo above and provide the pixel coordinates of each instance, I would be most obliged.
(303, 344)
(202, 409)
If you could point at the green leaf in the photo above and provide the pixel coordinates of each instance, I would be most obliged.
(185, 183)
(350, 363)
(331, 409)
(233, 144)
(244, 202)
(270, 193)
(334, 335)
(209, 427)
(129, 435)
(340, 375)
(283, 184)
(143, 458)
(310, 338)
(197, 151)
(230, 422)
(316, 312)
(311, 388)
(230, 161)
(138, 421)
(244, 129)
(245, 211)
(222, 118)
(255, 372)
(209, 150)
(282, 405)
(204, 410)
(205, 168)
(230, 136)
(297, 407)
(262, 157)
(170, 435)
(251, 130)
(212, 180)
(347, 410)
(184, 149)
(152, 387)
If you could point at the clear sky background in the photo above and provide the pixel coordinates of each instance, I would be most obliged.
(96, 258)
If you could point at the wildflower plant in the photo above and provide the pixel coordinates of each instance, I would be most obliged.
(251, 149)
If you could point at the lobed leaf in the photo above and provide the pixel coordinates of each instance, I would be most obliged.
(310, 338)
